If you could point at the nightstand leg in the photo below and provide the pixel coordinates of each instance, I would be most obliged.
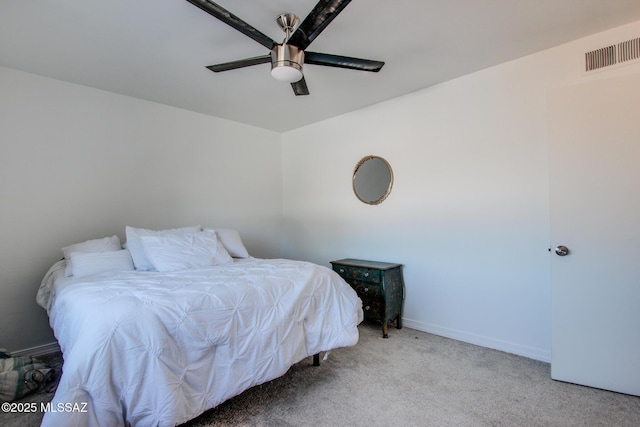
(384, 331)
(398, 322)
(316, 359)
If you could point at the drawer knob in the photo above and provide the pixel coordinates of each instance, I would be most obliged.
(367, 307)
(366, 274)
(342, 270)
(366, 289)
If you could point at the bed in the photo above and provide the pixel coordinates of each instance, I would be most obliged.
(159, 346)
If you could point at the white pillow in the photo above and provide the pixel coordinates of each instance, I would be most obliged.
(89, 263)
(134, 242)
(94, 245)
(182, 251)
(231, 241)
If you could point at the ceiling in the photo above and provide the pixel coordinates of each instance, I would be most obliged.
(158, 49)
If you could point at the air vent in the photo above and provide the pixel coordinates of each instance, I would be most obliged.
(600, 58)
(629, 50)
(611, 55)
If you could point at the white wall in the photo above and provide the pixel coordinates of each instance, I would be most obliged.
(468, 215)
(78, 163)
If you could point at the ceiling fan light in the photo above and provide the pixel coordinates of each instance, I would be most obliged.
(286, 63)
(286, 73)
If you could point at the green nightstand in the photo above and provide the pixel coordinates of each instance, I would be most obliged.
(379, 285)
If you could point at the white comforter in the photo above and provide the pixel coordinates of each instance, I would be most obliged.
(158, 349)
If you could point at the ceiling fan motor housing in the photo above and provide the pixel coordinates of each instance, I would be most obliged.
(286, 63)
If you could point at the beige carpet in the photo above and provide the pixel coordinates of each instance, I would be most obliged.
(414, 379)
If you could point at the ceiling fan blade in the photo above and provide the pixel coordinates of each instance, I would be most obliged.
(230, 19)
(342, 61)
(322, 14)
(300, 87)
(232, 65)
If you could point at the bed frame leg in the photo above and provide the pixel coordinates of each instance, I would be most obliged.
(316, 359)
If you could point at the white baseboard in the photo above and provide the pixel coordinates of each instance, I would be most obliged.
(40, 350)
(507, 347)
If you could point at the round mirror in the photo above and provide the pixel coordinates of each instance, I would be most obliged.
(372, 180)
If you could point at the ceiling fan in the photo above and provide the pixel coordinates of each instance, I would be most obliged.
(287, 58)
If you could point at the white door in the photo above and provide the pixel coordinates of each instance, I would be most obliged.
(594, 134)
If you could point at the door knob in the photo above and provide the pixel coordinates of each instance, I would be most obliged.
(562, 250)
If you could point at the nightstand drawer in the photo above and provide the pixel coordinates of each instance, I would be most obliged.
(358, 273)
(367, 290)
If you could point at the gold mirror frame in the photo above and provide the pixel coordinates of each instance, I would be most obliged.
(384, 192)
